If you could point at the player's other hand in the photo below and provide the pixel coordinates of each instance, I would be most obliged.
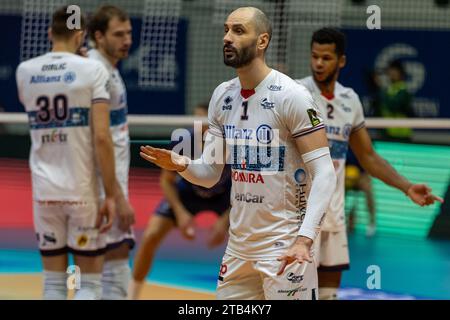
(421, 194)
(125, 213)
(299, 252)
(218, 232)
(185, 222)
(165, 159)
(106, 215)
(83, 51)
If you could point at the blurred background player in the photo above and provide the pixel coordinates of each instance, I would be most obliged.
(183, 200)
(110, 32)
(344, 119)
(66, 99)
(268, 255)
(358, 180)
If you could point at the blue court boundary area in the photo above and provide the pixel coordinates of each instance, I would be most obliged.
(409, 268)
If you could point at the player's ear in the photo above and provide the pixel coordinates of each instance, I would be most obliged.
(49, 34)
(263, 41)
(342, 61)
(98, 36)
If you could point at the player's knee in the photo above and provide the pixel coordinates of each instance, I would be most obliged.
(55, 285)
(115, 279)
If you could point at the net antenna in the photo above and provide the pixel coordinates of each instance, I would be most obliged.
(157, 62)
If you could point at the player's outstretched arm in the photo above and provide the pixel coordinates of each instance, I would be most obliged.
(205, 171)
(378, 167)
(316, 156)
(104, 152)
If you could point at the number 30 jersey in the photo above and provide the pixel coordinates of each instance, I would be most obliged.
(270, 184)
(57, 90)
(343, 115)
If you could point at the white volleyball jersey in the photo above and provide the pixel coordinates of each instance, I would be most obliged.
(270, 184)
(343, 114)
(118, 121)
(57, 90)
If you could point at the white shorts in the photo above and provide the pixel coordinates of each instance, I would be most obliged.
(63, 227)
(258, 280)
(115, 237)
(331, 251)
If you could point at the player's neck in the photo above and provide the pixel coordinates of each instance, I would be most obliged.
(64, 47)
(110, 59)
(327, 89)
(252, 75)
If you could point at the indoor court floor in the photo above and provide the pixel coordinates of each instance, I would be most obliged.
(410, 268)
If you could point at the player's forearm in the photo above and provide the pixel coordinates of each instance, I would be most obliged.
(320, 167)
(379, 168)
(206, 170)
(105, 158)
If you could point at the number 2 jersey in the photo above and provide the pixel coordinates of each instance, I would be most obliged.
(58, 90)
(343, 115)
(270, 184)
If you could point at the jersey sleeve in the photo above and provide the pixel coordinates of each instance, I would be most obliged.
(214, 125)
(300, 112)
(101, 84)
(358, 121)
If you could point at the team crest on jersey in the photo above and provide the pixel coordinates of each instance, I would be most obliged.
(69, 77)
(312, 114)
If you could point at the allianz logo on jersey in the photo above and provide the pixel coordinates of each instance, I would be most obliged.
(336, 130)
(67, 77)
(263, 134)
(56, 136)
(248, 198)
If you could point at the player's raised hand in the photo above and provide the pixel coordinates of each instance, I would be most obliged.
(421, 194)
(106, 215)
(165, 159)
(299, 252)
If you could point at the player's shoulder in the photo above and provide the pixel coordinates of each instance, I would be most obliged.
(229, 87)
(288, 88)
(345, 93)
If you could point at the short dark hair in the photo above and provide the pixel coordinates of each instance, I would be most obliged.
(262, 22)
(100, 19)
(330, 36)
(59, 24)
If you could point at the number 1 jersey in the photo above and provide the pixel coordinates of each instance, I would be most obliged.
(270, 184)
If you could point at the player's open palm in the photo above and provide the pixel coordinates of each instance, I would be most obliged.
(299, 252)
(163, 158)
(421, 194)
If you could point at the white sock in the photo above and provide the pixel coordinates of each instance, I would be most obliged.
(328, 293)
(115, 279)
(90, 288)
(134, 289)
(55, 286)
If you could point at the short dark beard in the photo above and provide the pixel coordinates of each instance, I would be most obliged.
(242, 58)
(328, 79)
